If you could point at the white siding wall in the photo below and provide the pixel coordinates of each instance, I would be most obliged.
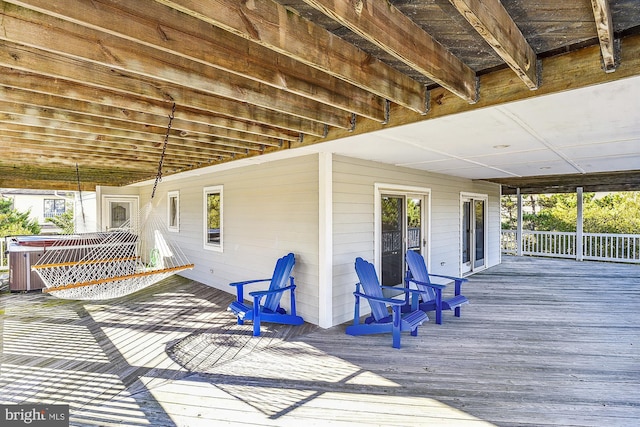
(353, 220)
(269, 210)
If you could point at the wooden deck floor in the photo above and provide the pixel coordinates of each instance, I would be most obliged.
(543, 342)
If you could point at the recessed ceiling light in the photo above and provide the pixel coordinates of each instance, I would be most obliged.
(499, 146)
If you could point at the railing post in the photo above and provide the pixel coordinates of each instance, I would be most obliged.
(579, 231)
(519, 225)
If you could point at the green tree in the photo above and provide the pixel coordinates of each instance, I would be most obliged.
(64, 221)
(602, 213)
(15, 223)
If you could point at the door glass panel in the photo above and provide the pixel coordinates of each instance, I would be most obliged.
(120, 214)
(414, 224)
(392, 247)
(466, 233)
(479, 232)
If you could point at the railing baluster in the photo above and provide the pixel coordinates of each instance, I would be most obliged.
(596, 246)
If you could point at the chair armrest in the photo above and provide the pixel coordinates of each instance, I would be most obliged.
(271, 291)
(236, 284)
(457, 279)
(403, 289)
(431, 285)
(389, 301)
(240, 287)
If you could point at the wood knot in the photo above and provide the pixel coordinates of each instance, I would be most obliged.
(358, 6)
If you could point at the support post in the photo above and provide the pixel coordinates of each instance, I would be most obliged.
(579, 223)
(519, 225)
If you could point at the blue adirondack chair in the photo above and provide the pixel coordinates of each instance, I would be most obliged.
(431, 293)
(381, 321)
(270, 310)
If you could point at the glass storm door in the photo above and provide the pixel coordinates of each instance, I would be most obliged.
(473, 234)
(402, 229)
(392, 240)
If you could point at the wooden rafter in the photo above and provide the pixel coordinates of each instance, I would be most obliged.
(494, 24)
(103, 50)
(154, 25)
(405, 40)
(604, 25)
(28, 88)
(265, 22)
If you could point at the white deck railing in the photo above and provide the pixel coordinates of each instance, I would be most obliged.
(595, 246)
(3, 258)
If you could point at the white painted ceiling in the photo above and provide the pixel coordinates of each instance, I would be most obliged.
(594, 129)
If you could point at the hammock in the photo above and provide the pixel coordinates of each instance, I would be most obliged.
(93, 266)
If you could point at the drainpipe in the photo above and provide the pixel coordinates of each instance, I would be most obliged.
(519, 225)
(579, 249)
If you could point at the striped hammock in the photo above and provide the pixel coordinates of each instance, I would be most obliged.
(104, 265)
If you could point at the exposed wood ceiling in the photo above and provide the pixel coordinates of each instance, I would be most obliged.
(87, 86)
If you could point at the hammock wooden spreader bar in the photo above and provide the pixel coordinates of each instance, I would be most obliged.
(85, 262)
(119, 278)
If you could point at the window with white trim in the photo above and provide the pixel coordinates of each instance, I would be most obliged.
(213, 229)
(173, 211)
(54, 207)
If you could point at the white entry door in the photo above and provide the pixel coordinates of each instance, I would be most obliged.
(119, 211)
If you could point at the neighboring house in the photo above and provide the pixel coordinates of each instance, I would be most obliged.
(41, 204)
(328, 210)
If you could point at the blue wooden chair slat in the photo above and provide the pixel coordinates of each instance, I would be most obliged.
(270, 311)
(381, 321)
(431, 293)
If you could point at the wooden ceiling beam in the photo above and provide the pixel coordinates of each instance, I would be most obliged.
(126, 106)
(492, 21)
(24, 26)
(388, 28)
(28, 181)
(35, 143)
(590, 182)
(157, 26)
(76, 111)
(12, 112)
(151, 145)
(604, 26)
(56, 67)
(64, 177)
(281, 30)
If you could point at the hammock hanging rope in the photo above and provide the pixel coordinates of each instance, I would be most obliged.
(93, 266)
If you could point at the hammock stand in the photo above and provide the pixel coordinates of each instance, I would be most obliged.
(94, 266)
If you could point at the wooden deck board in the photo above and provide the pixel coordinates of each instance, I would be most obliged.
(543, 343)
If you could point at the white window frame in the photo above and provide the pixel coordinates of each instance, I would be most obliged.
(171, 195)
(218, 247)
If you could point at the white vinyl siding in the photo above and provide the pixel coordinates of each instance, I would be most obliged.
(354, 227)
(269, 210)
